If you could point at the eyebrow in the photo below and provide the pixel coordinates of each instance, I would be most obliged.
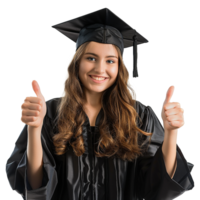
(98, 56)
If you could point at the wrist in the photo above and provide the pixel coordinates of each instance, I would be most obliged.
(170, 138)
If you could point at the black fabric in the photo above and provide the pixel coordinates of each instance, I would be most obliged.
(88, 177)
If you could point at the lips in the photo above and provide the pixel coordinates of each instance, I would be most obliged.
(98, 76)
(97, 81)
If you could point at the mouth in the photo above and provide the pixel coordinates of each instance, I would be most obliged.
(98, 77)
(97, 81)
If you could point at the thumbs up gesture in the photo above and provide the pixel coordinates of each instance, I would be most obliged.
(34, 108)
(172, 113)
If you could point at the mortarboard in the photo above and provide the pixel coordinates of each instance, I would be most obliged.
(105, 27)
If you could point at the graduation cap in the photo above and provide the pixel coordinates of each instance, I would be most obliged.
(103, 26)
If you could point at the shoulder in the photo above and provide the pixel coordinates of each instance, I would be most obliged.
(143, 109)
(52, 105)
(140, 107)
(146, 114)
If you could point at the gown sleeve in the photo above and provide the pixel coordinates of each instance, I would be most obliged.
(16, 166)
(154, 181)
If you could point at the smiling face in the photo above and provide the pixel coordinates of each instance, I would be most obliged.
(100, 60)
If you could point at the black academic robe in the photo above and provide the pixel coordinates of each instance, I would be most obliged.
(68, 177)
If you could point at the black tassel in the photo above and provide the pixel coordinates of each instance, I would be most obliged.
(135, 72)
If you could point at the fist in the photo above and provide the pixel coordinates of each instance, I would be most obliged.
(34, 108)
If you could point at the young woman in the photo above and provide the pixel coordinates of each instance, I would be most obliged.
(97, 142)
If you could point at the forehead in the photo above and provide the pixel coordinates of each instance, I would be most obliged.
(101, 48)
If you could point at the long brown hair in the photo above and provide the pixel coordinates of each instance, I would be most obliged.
(118, 130)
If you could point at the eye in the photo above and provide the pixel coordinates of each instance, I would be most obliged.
(112, 61)
(89, 58)
(94, 58)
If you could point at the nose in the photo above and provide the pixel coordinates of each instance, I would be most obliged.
(100, 66)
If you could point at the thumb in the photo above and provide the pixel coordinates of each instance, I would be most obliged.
(169, 94)
(36, 89)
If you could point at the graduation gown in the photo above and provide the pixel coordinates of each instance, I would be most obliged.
(88, 177)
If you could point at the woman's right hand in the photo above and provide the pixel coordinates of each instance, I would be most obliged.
(34, 108)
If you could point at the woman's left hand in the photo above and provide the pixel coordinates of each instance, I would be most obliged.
(172, 113)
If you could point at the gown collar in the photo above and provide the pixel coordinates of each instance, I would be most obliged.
(91, 139)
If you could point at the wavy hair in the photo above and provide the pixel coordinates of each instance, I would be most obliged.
(119, 133)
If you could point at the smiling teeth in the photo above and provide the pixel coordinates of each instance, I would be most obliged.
(100, 79)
